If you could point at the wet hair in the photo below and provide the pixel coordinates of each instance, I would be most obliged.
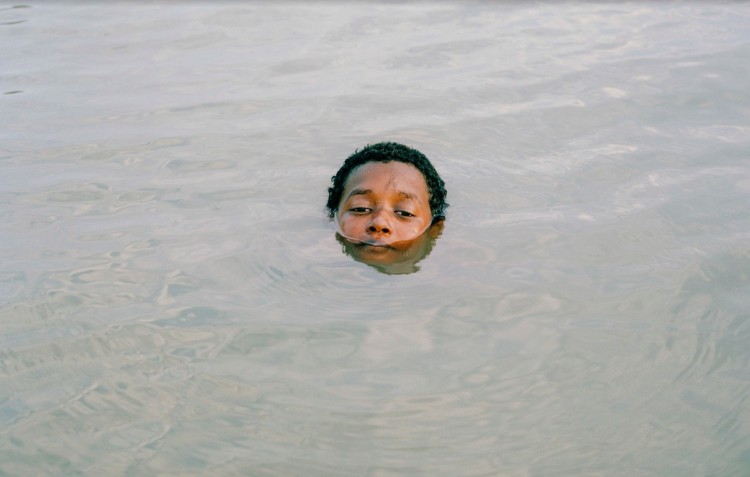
(388, 152)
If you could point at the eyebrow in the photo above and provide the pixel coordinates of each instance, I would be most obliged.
(402, 194)
(360, 192)
(407, 195)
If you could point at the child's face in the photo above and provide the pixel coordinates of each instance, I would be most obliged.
(385, 207)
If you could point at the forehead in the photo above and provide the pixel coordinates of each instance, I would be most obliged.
(397, 176)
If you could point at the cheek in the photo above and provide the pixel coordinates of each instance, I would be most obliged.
(350, 223)
(404, 245)
(408, 230)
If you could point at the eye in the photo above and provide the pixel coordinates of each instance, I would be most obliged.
(360, 210)
(404, 213)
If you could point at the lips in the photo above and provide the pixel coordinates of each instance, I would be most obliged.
(372, 244)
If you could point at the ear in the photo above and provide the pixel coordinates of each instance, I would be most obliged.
(436, 229)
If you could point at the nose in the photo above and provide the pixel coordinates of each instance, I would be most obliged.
(379, 224)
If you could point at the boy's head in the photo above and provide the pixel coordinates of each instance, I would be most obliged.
(386, 152)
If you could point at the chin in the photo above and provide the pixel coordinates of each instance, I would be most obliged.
(375, 254)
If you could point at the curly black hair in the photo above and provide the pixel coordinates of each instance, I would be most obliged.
(387, 152)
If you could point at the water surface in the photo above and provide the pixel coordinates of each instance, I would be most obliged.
(173, 300)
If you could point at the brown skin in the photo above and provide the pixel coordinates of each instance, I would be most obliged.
(384, 216)
(393, 261)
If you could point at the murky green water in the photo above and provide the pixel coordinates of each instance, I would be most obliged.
(173, 300)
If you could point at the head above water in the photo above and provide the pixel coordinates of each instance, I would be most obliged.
(390, 152)
(388, 204)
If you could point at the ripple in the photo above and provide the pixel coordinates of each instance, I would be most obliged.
(107, 285)
(82, 194)
(101, 237)
(13, 283)
(193, 166)
(733, 134)
(715, 300)
(194, 316)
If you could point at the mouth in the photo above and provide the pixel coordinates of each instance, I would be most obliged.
(373, 245)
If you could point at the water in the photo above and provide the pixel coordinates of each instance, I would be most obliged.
(174, 301)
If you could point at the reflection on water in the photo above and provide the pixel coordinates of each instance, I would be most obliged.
(172, 301)
(395, 258)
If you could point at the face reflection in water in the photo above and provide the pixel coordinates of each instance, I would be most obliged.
(396, 259)
(384, 217)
